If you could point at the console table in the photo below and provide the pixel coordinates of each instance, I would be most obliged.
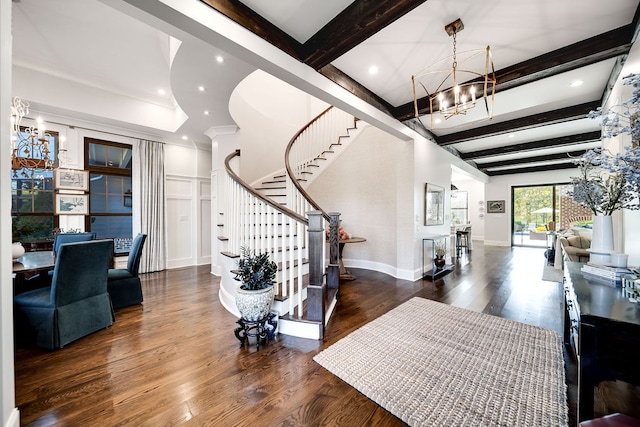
(434, 272)
(603, 328)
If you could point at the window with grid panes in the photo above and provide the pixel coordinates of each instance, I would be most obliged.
(110, 188)
(32, 215)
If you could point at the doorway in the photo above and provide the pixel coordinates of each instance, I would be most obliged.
(536, 210)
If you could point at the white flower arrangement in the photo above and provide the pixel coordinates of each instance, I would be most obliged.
(609, 182)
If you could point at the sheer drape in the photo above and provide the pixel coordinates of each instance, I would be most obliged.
(149, 214)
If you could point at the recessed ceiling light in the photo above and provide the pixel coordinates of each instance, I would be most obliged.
(161, 92)
(576, 83)
(206, 112)
(185, 137)
(511, 135)
(220, 59)
(201, 88)
(373, 70)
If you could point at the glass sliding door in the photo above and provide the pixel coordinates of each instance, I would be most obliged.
(535, 209)
(540, 210)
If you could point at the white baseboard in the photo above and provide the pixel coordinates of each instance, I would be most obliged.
(496, 243)
(379, 267)
(14, 419)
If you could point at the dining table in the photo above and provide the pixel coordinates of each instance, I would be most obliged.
(29, 268)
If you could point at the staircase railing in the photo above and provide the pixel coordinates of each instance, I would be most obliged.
(258, 223)
(307, 149)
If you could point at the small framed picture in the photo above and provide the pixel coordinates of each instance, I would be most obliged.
(71, 179)
(72, 204)
(495, 206)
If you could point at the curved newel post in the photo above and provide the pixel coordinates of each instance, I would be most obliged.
(333, 269)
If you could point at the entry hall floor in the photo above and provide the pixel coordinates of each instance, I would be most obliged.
(174, 359)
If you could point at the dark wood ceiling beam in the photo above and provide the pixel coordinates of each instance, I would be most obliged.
(241, 14)
(346, 82)
(359, 21)
(532, 146)
(547, 118)
(586, 52)
(530, 169)
(528, 160)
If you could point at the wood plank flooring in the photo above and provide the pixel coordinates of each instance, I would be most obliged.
(175, 359)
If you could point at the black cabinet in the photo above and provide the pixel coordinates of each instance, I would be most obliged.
(603, 327)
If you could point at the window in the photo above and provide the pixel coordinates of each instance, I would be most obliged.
(110, 204)
(32, 217)
(459, 207)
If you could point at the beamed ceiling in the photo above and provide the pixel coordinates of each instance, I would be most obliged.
(539, 49)
(362, 19)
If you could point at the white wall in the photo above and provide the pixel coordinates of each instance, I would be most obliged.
(476, 205)
(365, 185)
(225, 140)
(188, 198)
(378, 186)
(269, 113)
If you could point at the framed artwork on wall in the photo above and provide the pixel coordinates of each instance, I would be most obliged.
(495, 206)
(71, 179)
(72, 204)
(434, 205)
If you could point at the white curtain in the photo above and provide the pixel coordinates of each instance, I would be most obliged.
(149, 213)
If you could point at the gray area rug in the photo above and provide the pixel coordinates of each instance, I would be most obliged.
(432, 364)
(552, 274)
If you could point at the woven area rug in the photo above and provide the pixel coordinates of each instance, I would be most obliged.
(432, 364)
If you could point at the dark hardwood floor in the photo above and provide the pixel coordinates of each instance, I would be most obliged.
(175, 359)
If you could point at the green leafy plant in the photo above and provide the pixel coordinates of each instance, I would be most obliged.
(255, 271)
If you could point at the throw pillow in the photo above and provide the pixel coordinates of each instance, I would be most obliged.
(574, 241)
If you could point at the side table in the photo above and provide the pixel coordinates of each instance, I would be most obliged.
(263, 329)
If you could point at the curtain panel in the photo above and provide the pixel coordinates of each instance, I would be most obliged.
(149, 208)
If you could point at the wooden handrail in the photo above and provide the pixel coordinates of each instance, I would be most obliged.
(290, 171)
(236, 178)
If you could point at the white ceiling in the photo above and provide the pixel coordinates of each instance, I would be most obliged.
(89, 42)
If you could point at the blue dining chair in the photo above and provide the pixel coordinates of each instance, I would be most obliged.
(62, 238)
(124, 284)
(77, 302)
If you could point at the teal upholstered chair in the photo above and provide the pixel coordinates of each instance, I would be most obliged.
(124, 283)
(62, 238)
(75, 305)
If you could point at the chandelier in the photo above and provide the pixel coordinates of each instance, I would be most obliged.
(456, 90)
(30, 150)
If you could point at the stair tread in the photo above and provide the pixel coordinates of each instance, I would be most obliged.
(230, 255)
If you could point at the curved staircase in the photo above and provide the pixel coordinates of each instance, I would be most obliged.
(277, 216)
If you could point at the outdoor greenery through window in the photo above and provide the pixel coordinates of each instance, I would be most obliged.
(110, 205)
(539, 210)
(32, 216)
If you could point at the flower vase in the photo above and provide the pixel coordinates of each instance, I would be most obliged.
(601, 239)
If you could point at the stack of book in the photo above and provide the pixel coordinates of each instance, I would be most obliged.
(605, 273)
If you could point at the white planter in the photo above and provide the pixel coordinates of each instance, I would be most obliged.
(601, 239)
(254, 305)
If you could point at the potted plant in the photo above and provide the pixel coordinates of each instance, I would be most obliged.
(440, 251)
(254, 296)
